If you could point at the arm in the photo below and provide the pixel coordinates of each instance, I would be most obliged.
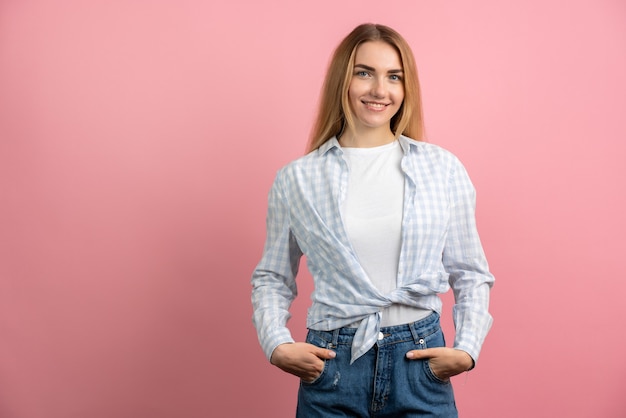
(273, 291)
(273, 280)
(465, 262)
(470, 279)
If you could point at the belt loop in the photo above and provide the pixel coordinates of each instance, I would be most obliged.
(413, 328)
(335, 340)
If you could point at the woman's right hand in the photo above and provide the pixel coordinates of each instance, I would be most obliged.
(301, 359)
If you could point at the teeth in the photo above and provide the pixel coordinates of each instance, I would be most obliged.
(376, 105)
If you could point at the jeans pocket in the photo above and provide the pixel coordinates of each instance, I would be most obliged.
(432, 375)
(313, 339)
(318, 379)
(435, 339)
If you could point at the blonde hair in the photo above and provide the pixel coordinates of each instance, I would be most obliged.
(334, 110)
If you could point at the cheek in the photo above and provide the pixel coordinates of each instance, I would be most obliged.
(350, 95)
(354, 92)
(397, 102)
(351, 99)
(399, 96)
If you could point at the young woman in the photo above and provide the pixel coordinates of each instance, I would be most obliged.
(386, 223)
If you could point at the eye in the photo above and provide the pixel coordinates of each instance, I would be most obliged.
(362, 73)
(395, 77)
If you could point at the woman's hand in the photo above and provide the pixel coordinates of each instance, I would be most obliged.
(444, 362)
(301, 359)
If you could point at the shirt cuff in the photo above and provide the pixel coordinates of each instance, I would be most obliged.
(270, 345)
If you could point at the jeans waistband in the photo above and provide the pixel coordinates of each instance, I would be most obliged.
(415, 330)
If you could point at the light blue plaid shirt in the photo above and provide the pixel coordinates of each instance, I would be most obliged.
(440, 249)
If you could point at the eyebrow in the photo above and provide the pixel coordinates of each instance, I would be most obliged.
(372, 69)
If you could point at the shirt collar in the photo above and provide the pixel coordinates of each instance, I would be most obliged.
(405, 143)
(328, 145)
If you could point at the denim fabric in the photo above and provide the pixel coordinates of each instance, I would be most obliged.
(382, 382)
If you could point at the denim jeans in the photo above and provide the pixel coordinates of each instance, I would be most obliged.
(382, 382)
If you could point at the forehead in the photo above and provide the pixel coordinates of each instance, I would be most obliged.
(378, 54)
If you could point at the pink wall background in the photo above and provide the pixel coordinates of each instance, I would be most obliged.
(138, 141)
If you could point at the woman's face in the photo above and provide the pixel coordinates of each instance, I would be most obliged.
(376, 89)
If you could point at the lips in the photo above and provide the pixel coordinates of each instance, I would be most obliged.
(376, 105)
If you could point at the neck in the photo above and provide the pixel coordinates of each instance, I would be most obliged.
(367, 139)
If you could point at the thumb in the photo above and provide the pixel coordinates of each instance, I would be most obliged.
(420, 354)
(324, 353)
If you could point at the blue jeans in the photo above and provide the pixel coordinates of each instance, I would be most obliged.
(382, 382)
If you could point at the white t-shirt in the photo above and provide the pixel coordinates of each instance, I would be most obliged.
(372, 214)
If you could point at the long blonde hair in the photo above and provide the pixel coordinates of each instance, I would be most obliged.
(334, 110)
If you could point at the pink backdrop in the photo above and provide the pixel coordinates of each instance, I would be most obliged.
(138, 141)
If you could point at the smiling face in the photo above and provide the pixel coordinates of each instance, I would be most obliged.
(376, 89)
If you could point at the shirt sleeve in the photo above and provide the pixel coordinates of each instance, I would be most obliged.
(465, 262)
(273, 280)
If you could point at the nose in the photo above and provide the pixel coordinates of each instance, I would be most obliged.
(378, 88)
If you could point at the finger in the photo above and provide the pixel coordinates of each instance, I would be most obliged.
(420, 354)
(323, 353)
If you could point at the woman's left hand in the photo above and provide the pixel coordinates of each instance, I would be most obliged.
(444, 362)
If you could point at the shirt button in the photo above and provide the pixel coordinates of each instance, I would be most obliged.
(380, 336)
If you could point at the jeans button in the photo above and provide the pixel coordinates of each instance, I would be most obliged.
(421, 341)
(380, 336)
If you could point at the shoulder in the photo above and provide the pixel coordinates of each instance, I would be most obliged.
(428, 152)
(313, 162)
(304, 164)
